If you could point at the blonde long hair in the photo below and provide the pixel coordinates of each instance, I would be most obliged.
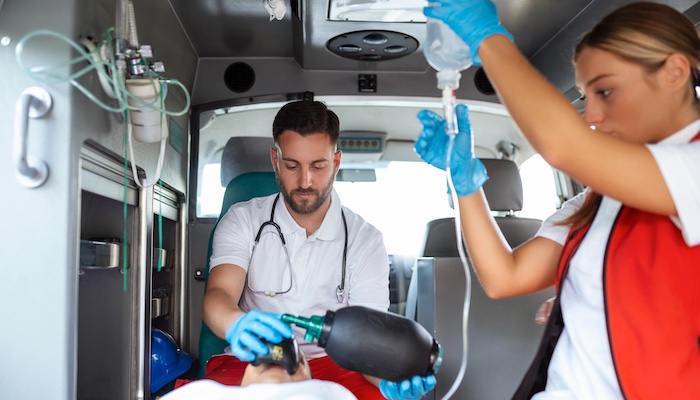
(646, 34)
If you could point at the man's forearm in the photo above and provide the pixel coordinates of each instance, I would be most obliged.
(218, 313)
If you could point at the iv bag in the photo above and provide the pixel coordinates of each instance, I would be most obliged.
(446, 52)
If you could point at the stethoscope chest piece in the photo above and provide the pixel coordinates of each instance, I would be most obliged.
(339, 294)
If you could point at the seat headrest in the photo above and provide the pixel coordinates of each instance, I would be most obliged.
(245, 154)
(248, 185)
(440, 239)
(504, 189)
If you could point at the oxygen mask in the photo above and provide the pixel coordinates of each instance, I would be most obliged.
(285, 354)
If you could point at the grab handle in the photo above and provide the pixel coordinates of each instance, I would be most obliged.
(34, 102)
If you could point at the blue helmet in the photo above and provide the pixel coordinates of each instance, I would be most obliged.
(167, 361)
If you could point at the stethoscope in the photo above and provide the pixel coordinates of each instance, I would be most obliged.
(339, 291)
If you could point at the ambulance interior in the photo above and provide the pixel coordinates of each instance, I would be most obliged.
(107, 224)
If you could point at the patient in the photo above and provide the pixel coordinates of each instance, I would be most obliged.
(270, 372)
(268, 380)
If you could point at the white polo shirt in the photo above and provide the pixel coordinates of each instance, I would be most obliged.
(581, 366)
(316, 261)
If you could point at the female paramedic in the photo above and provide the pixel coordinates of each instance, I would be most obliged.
(625, 254)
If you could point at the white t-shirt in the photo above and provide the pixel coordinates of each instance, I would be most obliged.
(581, 366)
(206, 389)
(316, 261)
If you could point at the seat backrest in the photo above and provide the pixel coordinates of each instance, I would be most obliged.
(241, 188)
(504, 192)
(503, 335)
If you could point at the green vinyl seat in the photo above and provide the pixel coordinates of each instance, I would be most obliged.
(241, 188)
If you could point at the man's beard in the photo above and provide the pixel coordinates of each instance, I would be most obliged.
(305, 207)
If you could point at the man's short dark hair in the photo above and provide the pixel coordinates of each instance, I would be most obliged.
(306, 117)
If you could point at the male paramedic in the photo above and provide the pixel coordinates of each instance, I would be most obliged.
(298, 252)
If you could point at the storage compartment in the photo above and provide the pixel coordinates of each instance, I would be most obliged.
(108, 329)
(120, 301)
(167, 285)
(104, 302)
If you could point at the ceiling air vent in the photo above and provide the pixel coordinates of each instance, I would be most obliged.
(373, 45)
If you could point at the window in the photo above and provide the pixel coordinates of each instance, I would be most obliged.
(407, 195)
(211, 195)
(400, 203)
(540, 198)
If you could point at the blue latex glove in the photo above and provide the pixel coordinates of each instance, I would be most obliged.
(468, 173)
(244, 335)
(410, 389)
(472, 20)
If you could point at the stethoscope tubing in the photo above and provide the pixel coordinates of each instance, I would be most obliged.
(340, 290)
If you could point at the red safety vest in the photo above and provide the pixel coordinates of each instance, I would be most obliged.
(651, 289)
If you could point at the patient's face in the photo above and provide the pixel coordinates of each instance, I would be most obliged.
(273, 373)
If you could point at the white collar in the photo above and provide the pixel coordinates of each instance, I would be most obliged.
(684, 135)
(330, 227)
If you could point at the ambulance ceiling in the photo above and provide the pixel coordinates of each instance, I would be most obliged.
(544, 30)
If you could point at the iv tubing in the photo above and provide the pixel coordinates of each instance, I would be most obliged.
(449, 110)
(111, 74)
(50, 74)
(92, 51)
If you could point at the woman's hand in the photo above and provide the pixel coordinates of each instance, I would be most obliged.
(472, 20)
(467, 171)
